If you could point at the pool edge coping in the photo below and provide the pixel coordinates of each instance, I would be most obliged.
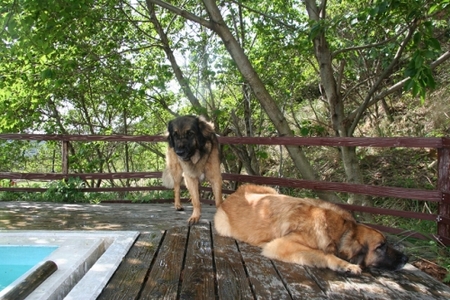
(117, 244)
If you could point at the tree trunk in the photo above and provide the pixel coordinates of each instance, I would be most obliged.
(171, 57)
(333, 95)
(218, 25)
(237, 53)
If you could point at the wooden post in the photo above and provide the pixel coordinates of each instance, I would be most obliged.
(65, 157)
(443, 221)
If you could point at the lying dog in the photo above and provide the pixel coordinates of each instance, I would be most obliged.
(308, 232)
(193, 152)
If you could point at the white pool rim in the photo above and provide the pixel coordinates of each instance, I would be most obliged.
(86, 260)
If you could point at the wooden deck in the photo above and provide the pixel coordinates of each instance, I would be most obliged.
(171, 260)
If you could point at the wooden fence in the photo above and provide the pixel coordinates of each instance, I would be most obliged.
(440, 195)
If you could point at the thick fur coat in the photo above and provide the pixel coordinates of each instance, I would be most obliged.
(304, 231)
(193, 153)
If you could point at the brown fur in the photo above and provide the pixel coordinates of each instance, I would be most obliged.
(193, 153)
(304, 231)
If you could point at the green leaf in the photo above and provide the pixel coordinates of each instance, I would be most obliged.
(316, 29)
(418, 62)
(433, 43)
(48, 74)
(304, 131)
(417, 38)
(262, 154)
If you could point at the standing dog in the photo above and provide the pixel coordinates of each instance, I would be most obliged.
(193, 152)
(308, 232)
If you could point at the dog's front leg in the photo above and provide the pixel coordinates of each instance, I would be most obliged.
(289, 250)
(192, 185)
(177, 176)
(176, 191)
(172, 176)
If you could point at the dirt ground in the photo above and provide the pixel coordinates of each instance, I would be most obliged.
(431, 269)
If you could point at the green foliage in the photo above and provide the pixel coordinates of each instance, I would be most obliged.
(65, 191)
(9, 196)
(418, 70)
(308, 128)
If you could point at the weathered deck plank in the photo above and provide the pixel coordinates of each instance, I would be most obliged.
(432, 286)
(198, 280)
(141, 217)
(232, 281)
(299, 282)
(369, 287)
(171, 260)
(263, 277)
(407, 284)
(334, 284)
(130, 276)
(164, 277)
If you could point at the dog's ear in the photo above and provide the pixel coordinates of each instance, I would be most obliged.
(350, 247)
(352, 251)
(205, 131)
(170, 134)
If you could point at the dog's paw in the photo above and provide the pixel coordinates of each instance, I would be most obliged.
(179, 208)
(353, 269)
(193, 219)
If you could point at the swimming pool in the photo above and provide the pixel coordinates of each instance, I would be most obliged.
(15, 261)
(85, 259)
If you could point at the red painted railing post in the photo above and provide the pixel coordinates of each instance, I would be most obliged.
(443, 222)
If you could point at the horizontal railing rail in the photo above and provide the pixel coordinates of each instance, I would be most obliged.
(440, 195)
(411, 142)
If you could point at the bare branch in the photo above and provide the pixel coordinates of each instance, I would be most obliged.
(181, 12)
(340, 76)
(265, 15)
(171, 57)
(399, 85)
(322, 11)
(386, 73)
(374, 45)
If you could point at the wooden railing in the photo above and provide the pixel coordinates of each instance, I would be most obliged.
(440, 195)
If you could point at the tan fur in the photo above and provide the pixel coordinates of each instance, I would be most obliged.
(304, 231)
(203, 164)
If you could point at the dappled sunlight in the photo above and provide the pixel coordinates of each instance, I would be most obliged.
(166, 242)
(41, 216)
(100, 268)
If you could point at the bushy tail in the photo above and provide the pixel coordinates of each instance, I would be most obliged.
(167, 179)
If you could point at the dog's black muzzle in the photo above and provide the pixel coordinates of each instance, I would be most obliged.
(394, 260)
(184, 154)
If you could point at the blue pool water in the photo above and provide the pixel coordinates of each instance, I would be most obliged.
(17, 260)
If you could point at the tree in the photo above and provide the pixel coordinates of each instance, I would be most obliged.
(408, 22)
(73, 68)
(332, 79)
(217, 24)
(253, 67)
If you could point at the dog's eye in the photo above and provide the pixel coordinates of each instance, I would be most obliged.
(381, 247)
(191, 133)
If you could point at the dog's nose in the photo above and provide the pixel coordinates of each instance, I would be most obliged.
(180, 152)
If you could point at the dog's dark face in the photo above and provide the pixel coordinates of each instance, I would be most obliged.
(368, 248)
(189, 134)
